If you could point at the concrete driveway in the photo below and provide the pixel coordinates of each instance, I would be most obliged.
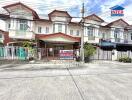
(95, 81)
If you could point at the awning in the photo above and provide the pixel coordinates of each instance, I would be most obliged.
(58, 37)
(123, 46)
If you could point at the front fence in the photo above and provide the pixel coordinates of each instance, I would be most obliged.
(124, 54)
(102, 55)
(107, 54)
(11, 53)
(22, 53)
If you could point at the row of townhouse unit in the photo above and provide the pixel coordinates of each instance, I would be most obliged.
(59, 31)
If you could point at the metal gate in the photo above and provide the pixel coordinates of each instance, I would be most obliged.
(12, 53)
(102, 55)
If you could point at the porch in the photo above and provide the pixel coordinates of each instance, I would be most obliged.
(58, 46)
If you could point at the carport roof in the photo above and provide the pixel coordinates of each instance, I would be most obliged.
(59, 37)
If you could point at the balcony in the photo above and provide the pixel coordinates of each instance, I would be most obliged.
(18, 34)
(106, 43)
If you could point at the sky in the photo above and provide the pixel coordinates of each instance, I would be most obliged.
(99, 7)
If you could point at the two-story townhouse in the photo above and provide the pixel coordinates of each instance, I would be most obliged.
(53, 34)
(20, 23)
(91, 29)
(59, 32)
(115, 33)
(116, 37)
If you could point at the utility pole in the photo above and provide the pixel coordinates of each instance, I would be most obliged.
(82, 35)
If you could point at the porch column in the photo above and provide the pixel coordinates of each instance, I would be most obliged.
(46, 51)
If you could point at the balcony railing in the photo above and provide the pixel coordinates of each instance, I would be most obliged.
(21, 34)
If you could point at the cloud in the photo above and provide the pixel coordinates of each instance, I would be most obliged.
(99, 7)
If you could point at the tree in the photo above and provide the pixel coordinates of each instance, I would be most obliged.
(89, 50)
(31, 50)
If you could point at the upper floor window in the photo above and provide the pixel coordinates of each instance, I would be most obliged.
(59, 27)
(39, 29)
(23, 25)
(117, 33)
(77, 32)
(47, 29)
(71, 32)
(90, 33)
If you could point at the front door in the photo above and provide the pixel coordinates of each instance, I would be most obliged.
(57, 49)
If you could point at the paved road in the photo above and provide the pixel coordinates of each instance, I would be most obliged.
(98, 81)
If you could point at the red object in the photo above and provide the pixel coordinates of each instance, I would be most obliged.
(117, 11)
(45, 36)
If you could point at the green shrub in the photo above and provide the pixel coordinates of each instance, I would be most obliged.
(125, 60)
(89, 50)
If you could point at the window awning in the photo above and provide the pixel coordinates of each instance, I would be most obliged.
(58, 37)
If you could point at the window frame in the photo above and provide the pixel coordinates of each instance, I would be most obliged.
(39, 29)
(71, 32)
(78, 32)
(59, 27)
(23, 25)
(47, 30)
(90, 32)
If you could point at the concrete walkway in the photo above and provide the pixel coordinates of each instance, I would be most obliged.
(94, 81)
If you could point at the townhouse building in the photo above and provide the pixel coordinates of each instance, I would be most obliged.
(59, 32)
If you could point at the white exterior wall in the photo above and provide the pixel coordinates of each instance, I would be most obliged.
(121, 35)
(96, 31)
(63, 27)
(63, 19)
(106, 33)
(74, 28)
(43, 25)
(14, 31)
